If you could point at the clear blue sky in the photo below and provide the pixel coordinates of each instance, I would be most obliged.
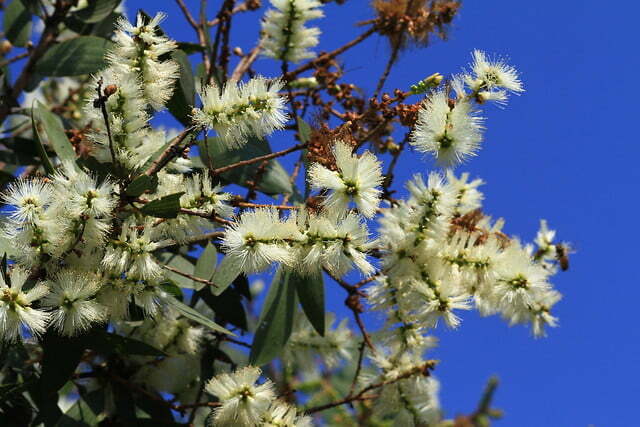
(564, 151)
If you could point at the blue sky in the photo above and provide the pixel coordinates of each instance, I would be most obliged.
(562, 151)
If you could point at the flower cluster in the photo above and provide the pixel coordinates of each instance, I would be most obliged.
(303, 241)
(286, 37)
(450, 128)
(239, 111)
(356, 179)
(137, 78)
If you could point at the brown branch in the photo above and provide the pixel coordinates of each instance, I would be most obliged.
(423, 369)
(258, 159)
(263, 205)
(244, 7)
(194, 239)
(245, 62)
(189, 276)
(170, 152)
(199, 29)
(330, 55)
(14, 59)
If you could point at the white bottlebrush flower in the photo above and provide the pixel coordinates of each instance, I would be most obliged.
(547, 250)
(334, 243)
(72, 299)
(81, 195)
(132, 252)
(138, 49)
(202, 196)
(239, 111)
(305, 344)
(451, 134)
(243, 402)
(281, 414)
(541, 312)
(29, 197)
(259, 238)
(519, 279)
(490, 75)
(286, 37)
(15, 306)
(357, 179)
(468, 198)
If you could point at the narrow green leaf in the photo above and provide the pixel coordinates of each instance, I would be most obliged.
(164, 207)
(310, 290)
(85, 411)
(107, 344)
(183, 98)
(17, 23)
(55, 134)
(227, 306)
(172, 289)
(304, 130)
(96, 10)
(224, 275)
(33, 6)
(196, 316)
(190, 48)
(206, 265)
(74, 57)
(141, 184)
(276, 320)
(46, 162)
(60, 358)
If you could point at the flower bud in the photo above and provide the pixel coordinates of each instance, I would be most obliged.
(5, 47)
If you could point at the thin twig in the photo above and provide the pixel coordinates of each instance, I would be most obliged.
(243, 7)
(258, 159)
(170, 152)
(14, 59)
(189, 276)
(245, 62)
(424, 369)
(264, 205)
(330, 55)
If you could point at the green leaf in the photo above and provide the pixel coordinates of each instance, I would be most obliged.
(224, 275)
(227, 306)
(275, 180)
(206, 265)
(96, 10)
(85, 411)
(190, 48)
(33, 6)
(46, 162)
(74, 57)
(108, 344)
(276, 320)
(141, 184)
(60, 358)
(183, 98)
(164, 207)
(304, 130)
(55, 133)
(196, 316)
(310, 290)
(172, 289)
(104, 28)
(17, 23)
